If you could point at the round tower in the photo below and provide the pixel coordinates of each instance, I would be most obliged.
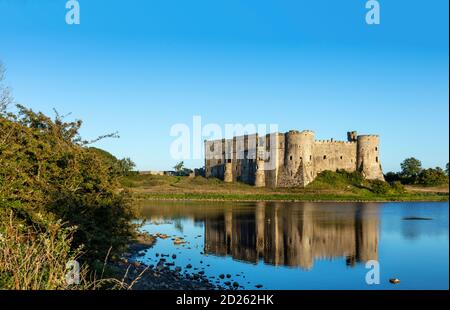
(299, 156)
(293, 154)
(368, 157)
(260, 176)
(228, 173)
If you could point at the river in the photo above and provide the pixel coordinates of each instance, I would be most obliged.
(297, 246)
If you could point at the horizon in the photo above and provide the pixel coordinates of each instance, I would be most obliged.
(143, 68)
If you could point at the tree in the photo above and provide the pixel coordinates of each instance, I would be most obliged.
(446, 170)
(179, 167)
(392, 177)
(126, 166)
(411, 168)
(5, 92)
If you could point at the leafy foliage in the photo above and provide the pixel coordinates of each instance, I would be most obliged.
(380, 187)
(411, 167)
(338, 179)
(432, 177)
(45, 166)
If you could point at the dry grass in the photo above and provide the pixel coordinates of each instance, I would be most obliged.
(32, 260)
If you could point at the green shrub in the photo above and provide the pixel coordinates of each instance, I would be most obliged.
(398, 187)
(46, 166)
(339, 179)
(379, 187)
(432, 177)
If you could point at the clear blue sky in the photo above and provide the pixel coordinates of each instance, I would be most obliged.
(140, 66)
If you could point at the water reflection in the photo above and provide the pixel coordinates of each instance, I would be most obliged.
(281, 234)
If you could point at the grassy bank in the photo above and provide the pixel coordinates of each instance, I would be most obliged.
(329, 186)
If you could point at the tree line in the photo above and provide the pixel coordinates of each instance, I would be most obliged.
(412, 173)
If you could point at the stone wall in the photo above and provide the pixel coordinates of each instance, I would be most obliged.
(293, 159)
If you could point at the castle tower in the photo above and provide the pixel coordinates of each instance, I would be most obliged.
(228, 173)
(368, 157)
(299, 147)
(260, 176)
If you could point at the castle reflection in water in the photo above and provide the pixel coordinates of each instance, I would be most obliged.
(294, 235)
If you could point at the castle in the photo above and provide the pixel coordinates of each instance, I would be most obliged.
(292, 159)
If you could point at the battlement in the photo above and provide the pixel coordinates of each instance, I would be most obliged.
(335, 142)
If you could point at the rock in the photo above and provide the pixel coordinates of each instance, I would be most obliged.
(201, 273)
(174, 256)
(228, 276)
(222, 276)
(162, 236)
(395, 281)
(236, 285)
(189, 266)
(227, 283)
(258, 286)
(179, 242)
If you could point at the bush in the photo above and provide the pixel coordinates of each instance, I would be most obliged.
(392, 177)
(47, 168)
(379, 187)
(398, 187)
(432, 177)
(338, 179)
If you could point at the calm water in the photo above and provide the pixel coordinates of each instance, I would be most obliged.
(304, 245)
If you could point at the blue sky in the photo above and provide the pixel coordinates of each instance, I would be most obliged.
(140, 66)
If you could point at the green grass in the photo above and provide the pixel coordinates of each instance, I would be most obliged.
(307, 197)
(328, 186)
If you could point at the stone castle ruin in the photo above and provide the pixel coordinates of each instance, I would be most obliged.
(292, 159)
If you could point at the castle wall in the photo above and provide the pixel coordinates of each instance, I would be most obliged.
(334, 155)
(293, 159)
